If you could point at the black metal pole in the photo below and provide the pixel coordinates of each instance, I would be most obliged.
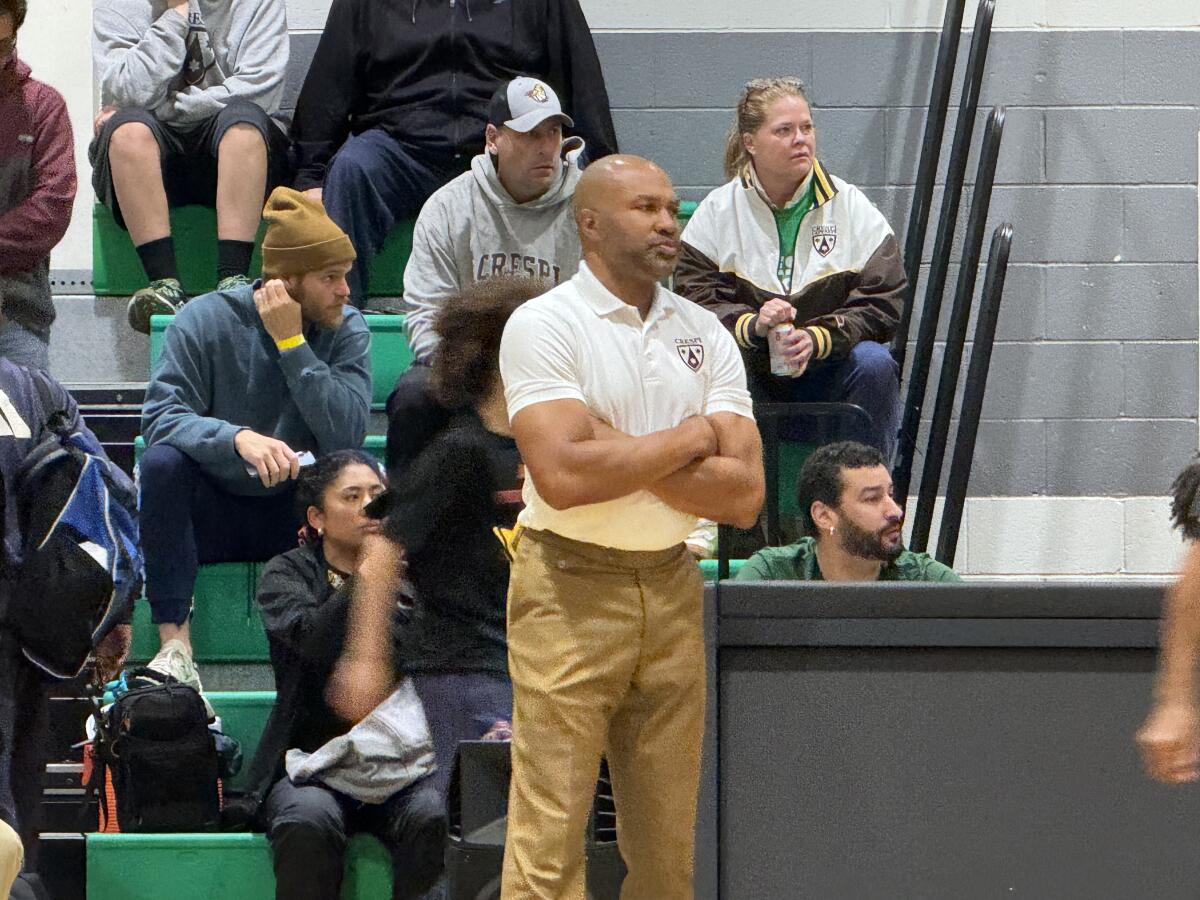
(724, 536)
(942, 247)
(931, 151)
(956, 332)
(972, 404)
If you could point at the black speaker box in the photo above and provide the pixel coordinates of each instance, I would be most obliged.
(478, 806)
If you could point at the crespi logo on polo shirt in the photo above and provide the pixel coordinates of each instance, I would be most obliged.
(538, 93)
(691, 351)
(824, 238)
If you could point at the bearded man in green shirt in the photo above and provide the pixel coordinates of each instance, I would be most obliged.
(853, 527)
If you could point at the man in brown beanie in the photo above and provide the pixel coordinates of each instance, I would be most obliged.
(253, 383)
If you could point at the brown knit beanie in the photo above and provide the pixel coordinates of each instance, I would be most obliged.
(300, 235)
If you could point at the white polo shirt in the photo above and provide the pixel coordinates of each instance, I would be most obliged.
(581, 342)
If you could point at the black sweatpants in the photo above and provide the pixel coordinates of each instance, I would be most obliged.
(308, 826)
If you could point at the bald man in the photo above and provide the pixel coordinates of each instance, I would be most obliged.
(630, 409)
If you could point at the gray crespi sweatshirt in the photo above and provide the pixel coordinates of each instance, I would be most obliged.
(472, 229)
(187, 70)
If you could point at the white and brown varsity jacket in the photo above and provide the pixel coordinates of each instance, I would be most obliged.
(847, 278)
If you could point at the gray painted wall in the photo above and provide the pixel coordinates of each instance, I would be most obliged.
(1097, 354)
(1094, 379)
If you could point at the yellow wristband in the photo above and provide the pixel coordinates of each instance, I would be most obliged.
(289, 343)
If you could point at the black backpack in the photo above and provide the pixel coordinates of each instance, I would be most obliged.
(155, 743)
(78, 566)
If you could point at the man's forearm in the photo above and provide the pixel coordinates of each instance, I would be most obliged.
(1181, 635)
(720, 488)
(595, 471)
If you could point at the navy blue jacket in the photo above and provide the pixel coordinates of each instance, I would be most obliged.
(22, 427)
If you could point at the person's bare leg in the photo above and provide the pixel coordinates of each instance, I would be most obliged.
(168, 632)
(241, 183)
(137, 177)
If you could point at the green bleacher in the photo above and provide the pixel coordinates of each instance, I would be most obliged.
(180, 866)
(226, 627)
(214, 867)
(117, 271)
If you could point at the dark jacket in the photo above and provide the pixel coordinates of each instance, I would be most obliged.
(305, 619)
(424, 71)
(445, 511)
(23, 427)
(37, 188)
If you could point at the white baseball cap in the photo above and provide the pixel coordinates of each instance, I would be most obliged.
(525, 103)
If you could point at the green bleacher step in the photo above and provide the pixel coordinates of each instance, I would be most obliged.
(390, 352)
(244, 717)
(226, 626)
(117, 271)
(214, 867)
(708, 568)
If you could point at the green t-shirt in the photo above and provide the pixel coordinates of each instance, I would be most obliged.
(787, 224)
(798, 562)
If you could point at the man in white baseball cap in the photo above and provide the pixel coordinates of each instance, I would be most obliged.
(524, 103)
(510, 215)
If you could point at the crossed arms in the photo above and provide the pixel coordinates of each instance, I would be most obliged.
(708, 466)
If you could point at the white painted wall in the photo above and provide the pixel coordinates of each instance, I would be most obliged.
(56, 42)
(1073, 537)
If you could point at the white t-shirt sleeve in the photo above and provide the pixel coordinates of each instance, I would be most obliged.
(727, 382)
(537, 360)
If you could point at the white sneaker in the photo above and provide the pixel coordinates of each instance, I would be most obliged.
(173, 659)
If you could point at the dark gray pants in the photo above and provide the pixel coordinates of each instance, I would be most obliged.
(308, 826)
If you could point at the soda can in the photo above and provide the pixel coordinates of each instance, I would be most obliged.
(779, 365)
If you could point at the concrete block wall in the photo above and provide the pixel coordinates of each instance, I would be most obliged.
(1093, 400)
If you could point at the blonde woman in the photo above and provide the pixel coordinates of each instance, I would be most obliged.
(786, 242)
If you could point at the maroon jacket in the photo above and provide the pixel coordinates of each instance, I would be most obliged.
(37, 188)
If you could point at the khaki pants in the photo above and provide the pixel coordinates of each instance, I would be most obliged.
(606, 653)
(11, 857)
